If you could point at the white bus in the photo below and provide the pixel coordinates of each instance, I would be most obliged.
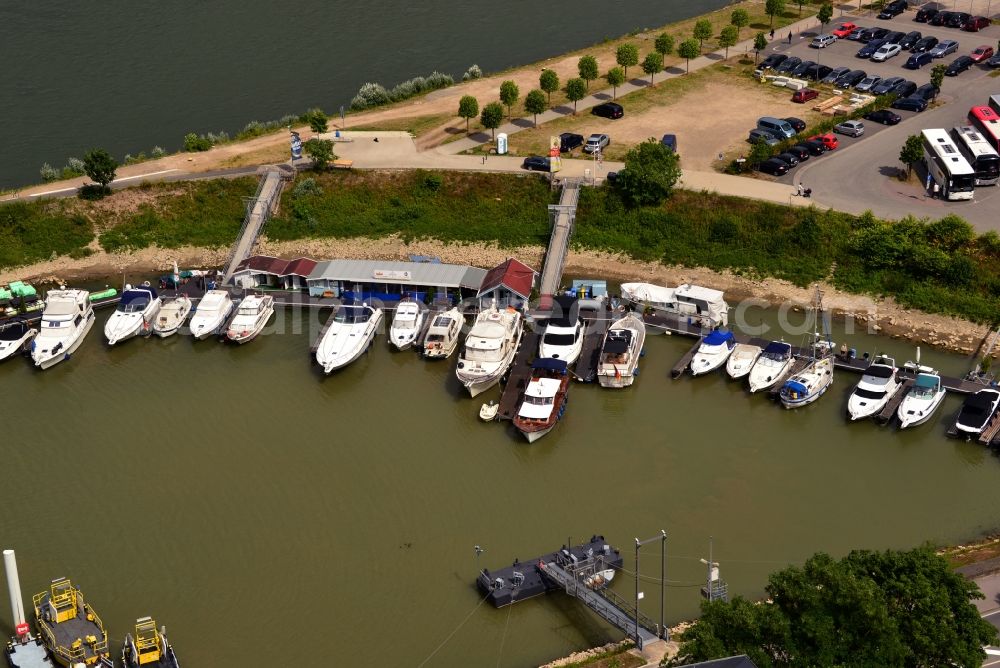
(983, 158)
(946, 166)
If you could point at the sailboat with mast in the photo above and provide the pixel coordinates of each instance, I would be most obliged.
(815, 379)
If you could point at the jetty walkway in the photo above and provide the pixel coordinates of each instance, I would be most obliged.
(563, 216)
(259, 209)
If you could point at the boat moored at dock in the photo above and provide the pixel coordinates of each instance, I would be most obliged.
(489, 348)
(774, 362)
(713, 352)
(563, 335)
(443, 334)
(172, 316)
(252, 315)
(809, 384)
(349, 333)
(134, 315)
(406, 324)
(211, 314)
(921, 401)
(544, 399)
(14, 339)
(66, 321)
(703, 306)
(877, 385)
(69, 627)
(618, 361)
(742, 360)
(976, 412)
(148, 648)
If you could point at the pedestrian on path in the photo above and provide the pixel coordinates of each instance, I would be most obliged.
(789, 36)
(772, 33)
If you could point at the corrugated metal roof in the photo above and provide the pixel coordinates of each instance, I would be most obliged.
(393, 272)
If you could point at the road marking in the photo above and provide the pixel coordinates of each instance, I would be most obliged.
(124, 178)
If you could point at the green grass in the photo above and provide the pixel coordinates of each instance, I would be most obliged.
(415, 125)
(38, 230)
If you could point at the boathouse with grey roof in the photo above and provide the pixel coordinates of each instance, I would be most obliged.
(385, 280)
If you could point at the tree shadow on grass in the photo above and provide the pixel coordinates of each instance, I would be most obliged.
(454, 130)
(675, 70)
(93, 191)
(522, 122)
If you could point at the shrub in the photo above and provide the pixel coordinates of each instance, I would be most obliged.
(75, 165)
(157, 152)
(305, 188)
(194, 143)
(472, 73)
(48, 173)
(370, 95)
(438, 80)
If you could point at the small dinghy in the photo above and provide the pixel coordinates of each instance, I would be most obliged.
(489, 411)
(600, 579)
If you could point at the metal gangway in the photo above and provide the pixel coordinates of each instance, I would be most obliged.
(563, 217)
(259, 209)
(581, 579)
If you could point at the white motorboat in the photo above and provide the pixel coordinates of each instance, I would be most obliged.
(406, 324)
(544, 400)
(252, 315)
(66, 321)
(877, 385)
(443, 334)
(14, 339)
(713, 352)
(600, 579)
(349, 333)
(925, 396)
(211, 314)
(562, 339)
(742, 360)
(809, 384)
(773, 363)
(693, 303)
(134, 315)
(172, 316)
(489, 348)
(618, 363)
(976, 412)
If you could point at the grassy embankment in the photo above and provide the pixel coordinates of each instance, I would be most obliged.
(938, 266)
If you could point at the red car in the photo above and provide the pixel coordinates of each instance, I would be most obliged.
(981, 53)
(844, 30)
(804, 95)
(829, 140)
(976, 23)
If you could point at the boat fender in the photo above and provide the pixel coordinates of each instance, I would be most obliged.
(635, 372)
(461, 365)
(642, 353)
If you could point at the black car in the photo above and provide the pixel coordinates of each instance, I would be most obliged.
(835, 74)
(890, 12)
(925, 15)
(926, 92)
(852, 78)
(909, 39)
(773, 166)
(958, 19)
(790, 64)
(797, 123)
(886, 85)
(799, 152)
(869, 49)
(802, 68)
(569, 141)
(994, 61)
(959, 65)
(773, 61)
(817, 72)
(894, 37)
(608, 110)
(788, 158)
(924, 44)
(815, 146)
(670, 141)
(910, 104)
(883, 116)
(536, 163)
(941, 18)
(873, 33)
(905, 89)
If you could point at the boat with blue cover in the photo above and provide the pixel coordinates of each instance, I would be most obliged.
(544, 399)
(135, 314)
(713, 352)
(771, 366)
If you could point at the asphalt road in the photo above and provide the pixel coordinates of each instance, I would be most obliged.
(860, 174)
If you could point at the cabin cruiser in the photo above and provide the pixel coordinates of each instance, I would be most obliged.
(563, 335)
(252, 315)
(350, 331)
(877, 385)
(976, 412)
(135, 314)
(489, 349)
(14, 338)
(172, 316)
(618, 363)
(66, 321)
(693, 303)
(713, 352)
(544, 399)
(924, 397)
(406, 324)
(211, 314)
(70, 629)
(773, 363)
(742, 360)
(148, 648)
(443, 334)
(809, 384)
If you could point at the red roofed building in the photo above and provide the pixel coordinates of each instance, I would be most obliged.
(264, 271)
(509, 284)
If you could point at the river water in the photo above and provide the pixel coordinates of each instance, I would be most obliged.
(270, 516)
(127, 76)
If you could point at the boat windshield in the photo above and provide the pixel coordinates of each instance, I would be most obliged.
(352, 315)
(405, 323)
(432, 338)
(868, 394)
(482, 355)
(538, 401)
(248, 310)
(13, 332)
(558, 339)
(922, 392)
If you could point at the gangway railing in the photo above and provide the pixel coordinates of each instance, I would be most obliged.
(258, 211)
(563, 216)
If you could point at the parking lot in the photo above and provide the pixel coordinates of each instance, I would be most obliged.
(860, 174)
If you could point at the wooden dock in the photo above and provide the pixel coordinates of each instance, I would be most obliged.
(684, 362)
(597, 325)
(885, 415)
(518, 376)
(991, 432)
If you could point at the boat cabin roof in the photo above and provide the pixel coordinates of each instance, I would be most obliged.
(353, 314)
(982, 399)
(543, 387)
(213, 299)
(442, 321)
(549, 364)
(618, 341)
(927, 380)
(696, 292)
(13, 331)
(778, 348)
(718, 337)
(488, 330)
(138, 294)
(880, 371)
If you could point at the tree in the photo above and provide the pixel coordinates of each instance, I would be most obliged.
(652, 64)
(576, 90)
(800, 6)
(728, 37)
(912, 151)
(509, 92)
(100, 167)
(759, 44)
(664, 44)
(321, 152)
(759, 152)
(626, 56)
(587, 67)
(825, 15)
(548, 81)
(868, 609)
(468, 107)
(615, 78)
(937, 75)
(687, 50)
(534, 103)
(702, 31)
(773, 8)
(651, 171)
(491, 117)
(318, 121)
(740, 18)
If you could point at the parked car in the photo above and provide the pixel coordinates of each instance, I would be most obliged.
(918, 60)
(886, 85)
(670, 141)
(869, 49)
(905, 89)
(893, 9)
(608, 110)
(596, 142)
(569, 141)
(924, 44)
(959, 65)
(928, 92)
(873, 33)
(994, 61)
(850, 128)
(883, 116)
(944, 47)
(612, 177)
(981, 53)
(757, 134)
(788, 158)
(868, 83)
(852, 78)
(817, 72)
(774, 167)
(788, 65)
(843, 30)
(976, 23)
(909, 39)
(797, 123)
(802, 68)
(855, 35)
(910, 103)
(814, 147)
(776, 126)
(835, 74)
(958, 19)
(536, 163)
(799, 152)
(828, 140)
(885, 52)
(823, 41)
(941, 18)
(894, 37)
(926, 14)
(804, 95)
(773, 61)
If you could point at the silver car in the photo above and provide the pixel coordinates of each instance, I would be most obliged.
(885, 52)
(868, 83)
(850, 128)
(596, 142)
(943, 48)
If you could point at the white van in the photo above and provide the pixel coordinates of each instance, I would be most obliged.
(776, 126)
